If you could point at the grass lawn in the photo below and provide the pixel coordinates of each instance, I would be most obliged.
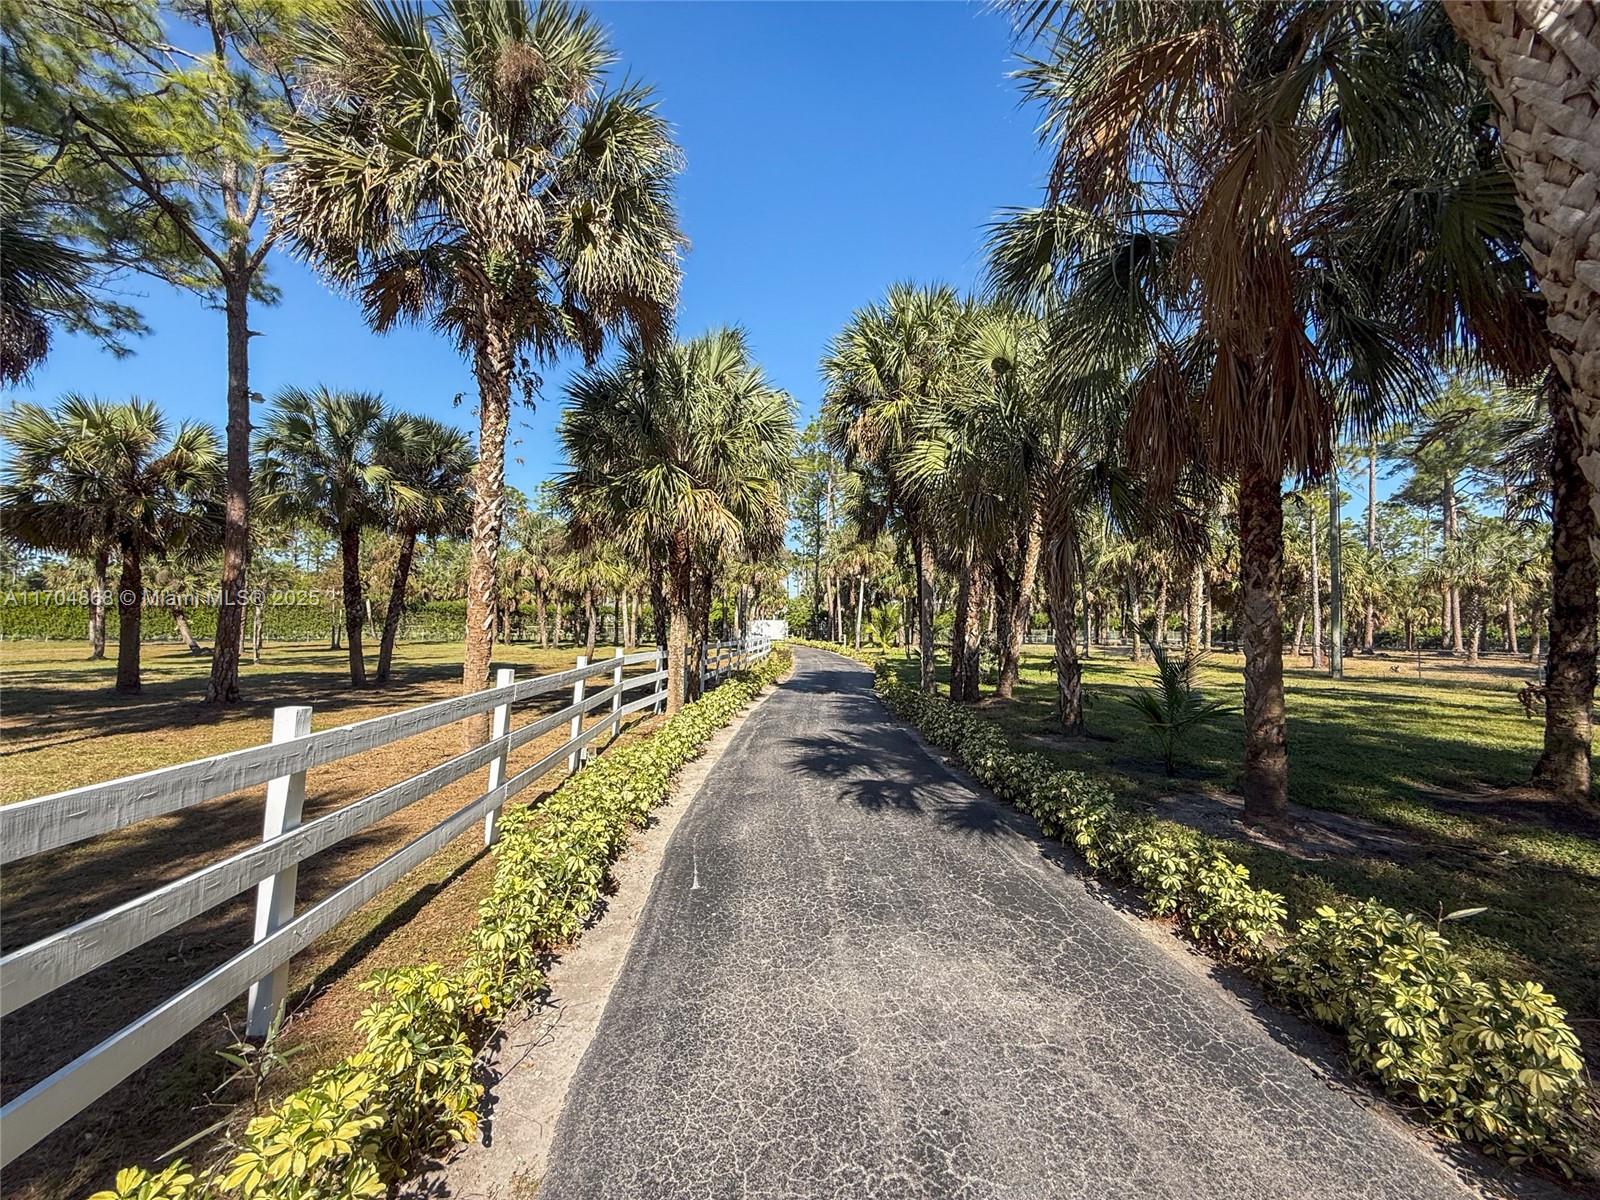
(62, 726)
(1426, 756)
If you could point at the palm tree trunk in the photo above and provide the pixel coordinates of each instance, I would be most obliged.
(971, 666)
(539, 610)
(591, 616)
(672, 618)
(679, 620)
(1564, 766)
(1266, 754)
(1535, 639)
(130, 613)
(180, 622)
(354, 609)
(397, 604)
(658, 608)
(223, 687)
(958, 636)
(1160, 612)
(492, 365)
(1538, 59)
(1511, 625)
(1060, 590)
(923, 554)
(861, 603)
(97, 603)
(1021, 610)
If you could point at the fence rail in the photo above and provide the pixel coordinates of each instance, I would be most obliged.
(36, 826)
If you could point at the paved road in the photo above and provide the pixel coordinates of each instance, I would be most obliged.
(858, 976)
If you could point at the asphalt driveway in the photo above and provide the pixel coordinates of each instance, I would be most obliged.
(858, 976)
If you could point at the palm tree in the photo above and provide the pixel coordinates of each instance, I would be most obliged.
(319, 459)
(1538, 60)
(1187, 242)
(887, 372)
(432, 465)
(883, 627)
(92, 473)
(1174, 706)
(1467, 220)
(44, 281)
(680, 457)
(470, 167)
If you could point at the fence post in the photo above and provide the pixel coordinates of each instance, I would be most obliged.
(504, 677)
(286, 797)
(661, 684)
(577, 719)
(616, 701)
(704, 652)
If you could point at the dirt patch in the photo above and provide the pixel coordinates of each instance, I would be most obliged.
(1313, 835)
(1522, 805)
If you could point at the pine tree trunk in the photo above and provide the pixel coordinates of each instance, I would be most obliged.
(1266, 754)
(1193, 618)
(354, 610)
(1369, 643)
(1133, 619)
(1316, 597)
(1160, 628)
(130, 614)
(492, 365)
(97, 602)
(397, 604)
(223, 687)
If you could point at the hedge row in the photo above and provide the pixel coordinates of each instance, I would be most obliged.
(46, 616)
(1493, 1062)
(364, 1125)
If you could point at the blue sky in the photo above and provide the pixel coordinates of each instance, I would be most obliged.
(831, 149)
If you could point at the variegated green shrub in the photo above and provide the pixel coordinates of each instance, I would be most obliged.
(1493, 1062)
(363, 1125)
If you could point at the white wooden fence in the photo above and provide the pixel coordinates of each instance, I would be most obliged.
(32, 827)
